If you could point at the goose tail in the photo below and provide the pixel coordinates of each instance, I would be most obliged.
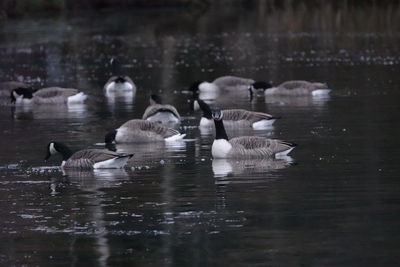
(175, 137)
(289, 147)
(78, 98)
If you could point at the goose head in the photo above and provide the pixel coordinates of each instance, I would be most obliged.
(217, 114)
(54, 148)
(257, 86)
(21, 93)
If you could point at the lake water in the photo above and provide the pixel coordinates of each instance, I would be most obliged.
(336, 203)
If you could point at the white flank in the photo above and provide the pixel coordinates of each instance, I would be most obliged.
(175, 137)
(78, 98)
(283, 154)
(125, 86)
(204, 122)
(321, 92)
(115, 163)
(260, 125)
(207, 87)
(220, 148)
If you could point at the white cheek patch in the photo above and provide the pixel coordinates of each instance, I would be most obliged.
(52, 149)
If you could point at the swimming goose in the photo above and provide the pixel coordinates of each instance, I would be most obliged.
(227, 83)
(296, 88)
(136, 131)
(51, 95)
(245, 147)
(87, 158)
(7, 87)
(119, 84)
(159, 112)
(236, 117)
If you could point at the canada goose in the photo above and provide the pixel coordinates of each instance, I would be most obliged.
(7, 87)
(87, 158)
(236, 117)
(159, 112)
(295, 88)
(119, 84)
(245, 147)
(135, 131)
(51, 95)
(227, 83)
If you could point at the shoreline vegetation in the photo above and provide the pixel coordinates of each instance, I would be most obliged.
(15, 8)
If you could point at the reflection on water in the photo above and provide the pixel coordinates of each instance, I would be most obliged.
(22, 112)
(123, 98)
(232, 168)
(298, 101)
(176, 206)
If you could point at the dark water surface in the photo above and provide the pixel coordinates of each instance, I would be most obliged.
(337, 205)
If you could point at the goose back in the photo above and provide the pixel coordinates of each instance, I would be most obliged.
(143, 131)
(53, 95)
(88, 157)
(232, 82)
(257, 147)
(245, 115)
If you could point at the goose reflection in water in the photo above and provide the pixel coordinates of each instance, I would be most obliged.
(231, 168)
(298, 101)
(49, 111)
(149, 154)
(92, 183)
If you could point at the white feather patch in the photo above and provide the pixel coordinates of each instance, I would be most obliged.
(115, 163)
(220, 148)
(175, 137)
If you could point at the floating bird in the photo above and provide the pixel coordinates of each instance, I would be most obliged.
(245, 147)
(51, 95)
(236, 117)
(161, 113)
(135, 131)
(119, 84)
(87, 158)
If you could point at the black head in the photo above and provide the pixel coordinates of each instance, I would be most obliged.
(110, 137)
(55, 148)
(21, 92)
(195, 86)
(217, 114)
(155, 99)
(260, 85)
(120, 79)
(207, 112)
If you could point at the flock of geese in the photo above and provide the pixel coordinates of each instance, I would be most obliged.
(153, 125)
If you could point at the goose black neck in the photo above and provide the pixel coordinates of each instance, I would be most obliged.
(207, 112)
(63, 150)
(220, 132)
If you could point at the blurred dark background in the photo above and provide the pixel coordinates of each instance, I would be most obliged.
(16, 8)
